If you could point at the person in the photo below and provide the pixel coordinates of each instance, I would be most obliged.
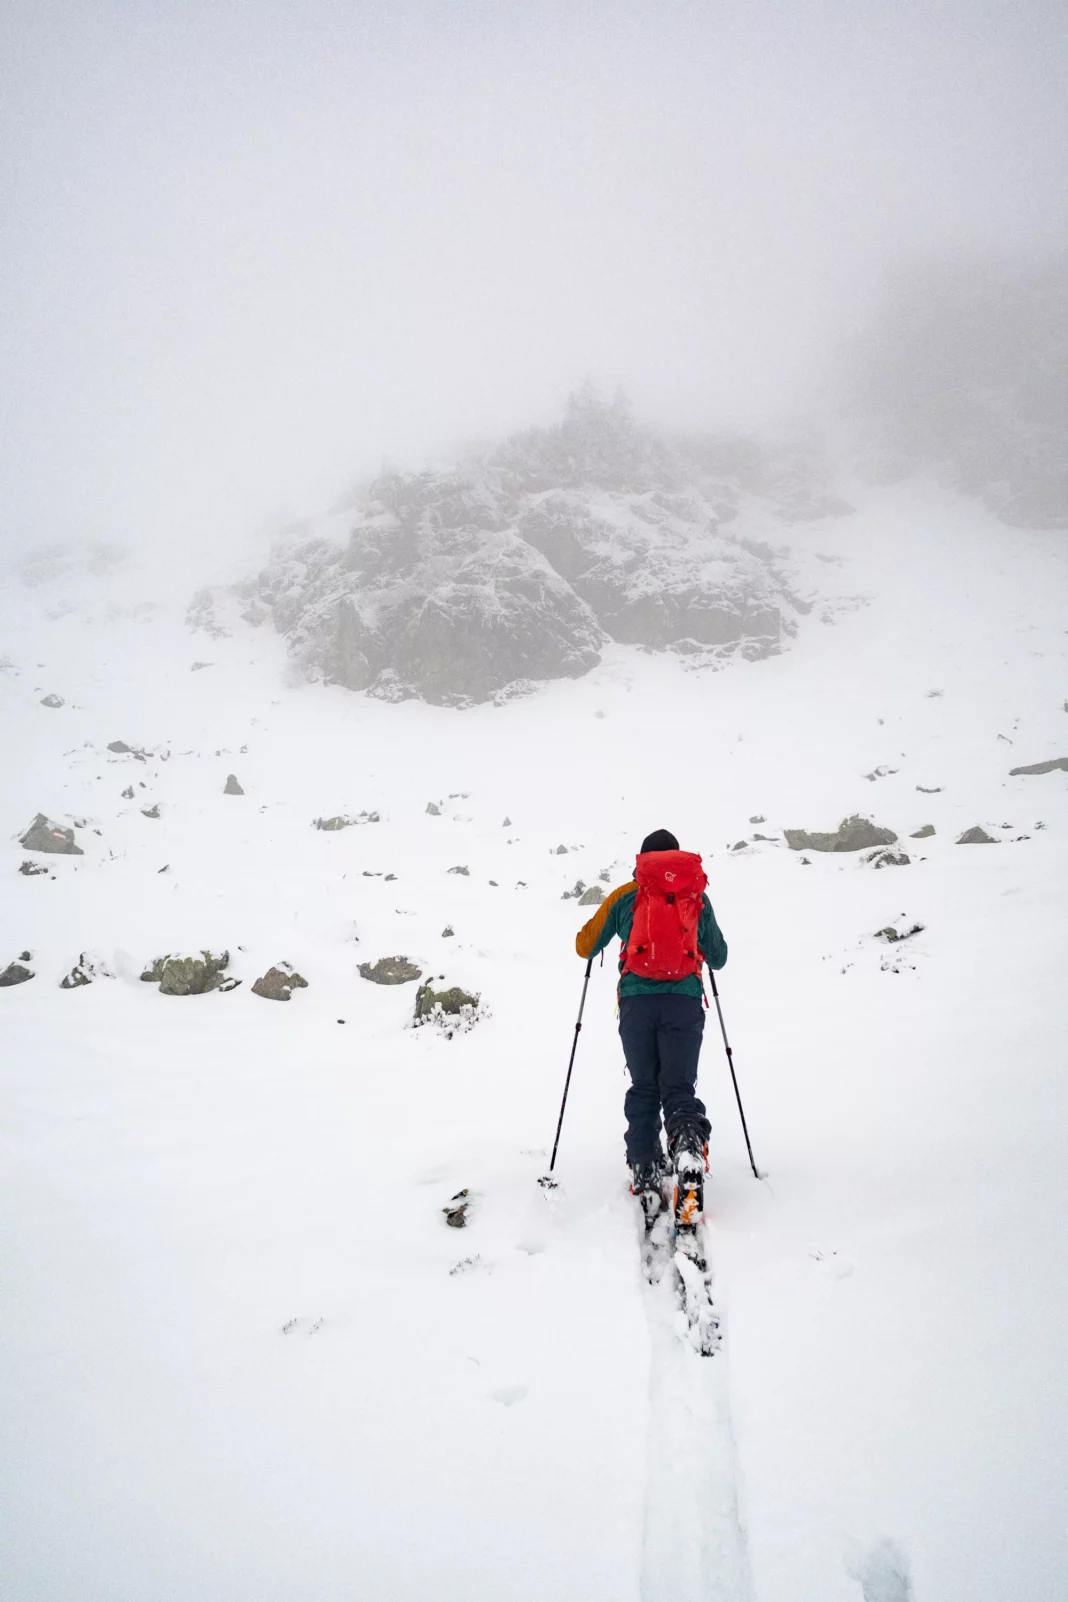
(662, 1015)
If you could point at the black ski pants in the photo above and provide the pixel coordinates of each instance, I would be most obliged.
(661, 1037)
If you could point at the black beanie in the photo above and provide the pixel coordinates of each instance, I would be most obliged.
(659, 840)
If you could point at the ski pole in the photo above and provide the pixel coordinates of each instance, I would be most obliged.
(734, 1079)
(571, 1064)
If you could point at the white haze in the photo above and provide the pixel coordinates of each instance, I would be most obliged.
(251, 249)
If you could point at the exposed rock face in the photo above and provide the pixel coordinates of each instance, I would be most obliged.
(232, 787)
(14, 974)
(43, 835)
(190, 976)
(852, 834)
(390, 971)
(592, 897)
(279, 983)
(1043, 767)
(467, 585)
(976, 836)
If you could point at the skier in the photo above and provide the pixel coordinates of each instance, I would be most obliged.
(668, 929)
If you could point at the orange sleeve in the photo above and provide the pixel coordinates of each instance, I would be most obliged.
(587, 941)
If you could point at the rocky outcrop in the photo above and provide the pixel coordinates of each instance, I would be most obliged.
(279, 983)
(44, 835)
(390, 971)
(471, 584)
(1051, 766)
(853, 834)
(191, 976)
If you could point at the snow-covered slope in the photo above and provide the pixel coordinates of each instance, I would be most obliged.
(244, 1357)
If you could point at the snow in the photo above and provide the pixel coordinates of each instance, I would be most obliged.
(243, 1355)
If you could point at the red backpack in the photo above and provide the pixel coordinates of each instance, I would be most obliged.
(663, 935)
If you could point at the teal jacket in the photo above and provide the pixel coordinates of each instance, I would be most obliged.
(614, 917)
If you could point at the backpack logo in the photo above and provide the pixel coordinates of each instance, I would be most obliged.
(663, 935)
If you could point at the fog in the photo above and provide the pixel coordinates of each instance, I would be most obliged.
(251, 250)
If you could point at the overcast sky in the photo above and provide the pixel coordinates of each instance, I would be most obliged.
(250, 249)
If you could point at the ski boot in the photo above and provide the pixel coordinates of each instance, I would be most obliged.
(647, 1183)
(689, 1154)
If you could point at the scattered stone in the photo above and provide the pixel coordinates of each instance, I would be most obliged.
(758, 817)
(85, 970)
(806, 862)
(14, 974)
(342, 821)
(191, 976)
(937, 790)
(976, 836)
(605, 876)
(561, 851)
(740, 845)
(120, 748)
(32, 869)
(853, 834)
(150, 812)
(493, 882)
(507, 824)
(768, 839)
(580, 885)
(889, 859)
(456, 1210)
(52, 700)
(880, 773)
(1051, 766)
(390, 971)
(128, 793)
(923, 834)
(232, 787)
(466, 872)
(433, 810)
(448, 933)
(391, 878)
(279, 983)
(196, 667)
(592, 897)
(892, 935)
(932, 695)
(43, 835)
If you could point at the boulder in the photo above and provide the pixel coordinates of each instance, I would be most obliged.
(150, 812)
(464, 873)
(448, 933)
(889, 859)
(120, 748)
(232, 787)
(976, 836)
(1042, 767)
(592, 897)
(433, 810)
(14, 974)
(923, 834)
(853, 834)
(128, 793)
(455, 1209)
(279, 983)
(32, 869)
(190, 976)
(52, 700)
(85, 970)
(390, 971)
(758, 817)
(44, 835)
(452, 1002)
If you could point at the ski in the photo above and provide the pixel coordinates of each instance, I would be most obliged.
(680, 1255)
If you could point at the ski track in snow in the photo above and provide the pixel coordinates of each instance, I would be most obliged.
(243, 1357)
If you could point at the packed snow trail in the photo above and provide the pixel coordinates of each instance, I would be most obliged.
(694, 1546)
